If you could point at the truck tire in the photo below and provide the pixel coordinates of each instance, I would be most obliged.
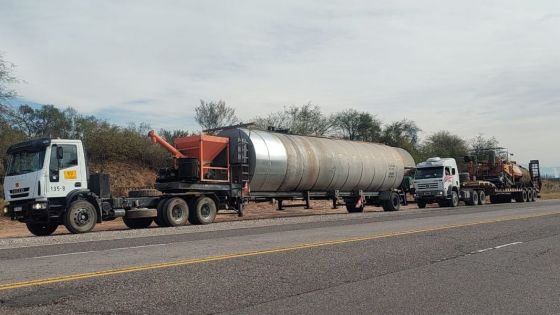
(525, 195)
(473, 199)
(393, 204)
(159, 218)
(144, 193)
(42, 229)
(520, 196)
(138, 223)
(175, 212)
(80, 217)
(533, 195)
(351, 205)
(528, 194)
(481, 197)
(202, 211)
(454, 202)
(421, 204)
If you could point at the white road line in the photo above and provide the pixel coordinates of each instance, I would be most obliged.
(101, 250)
(495, 247)
(501, 246)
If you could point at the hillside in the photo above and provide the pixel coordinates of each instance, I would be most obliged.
(125, 176)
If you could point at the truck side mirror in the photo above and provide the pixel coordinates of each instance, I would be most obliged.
(59, 153)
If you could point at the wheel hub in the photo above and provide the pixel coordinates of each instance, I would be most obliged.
(81, 217)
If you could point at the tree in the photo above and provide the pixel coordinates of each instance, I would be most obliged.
(480, 144)
(354, 125)
(307, 119)
(445, 144)
(401, 132)
(210, 115)
(6, 77)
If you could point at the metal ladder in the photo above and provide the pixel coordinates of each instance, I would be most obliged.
(535, 172)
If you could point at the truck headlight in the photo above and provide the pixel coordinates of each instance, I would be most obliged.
(5, 210)
(440, 193)
(39, 206)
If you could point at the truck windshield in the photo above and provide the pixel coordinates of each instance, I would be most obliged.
(429, 172)
(25, 162)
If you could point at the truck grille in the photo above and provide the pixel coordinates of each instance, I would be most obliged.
(19, 192)
(428, 186)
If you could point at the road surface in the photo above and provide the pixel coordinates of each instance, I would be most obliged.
(489, 259)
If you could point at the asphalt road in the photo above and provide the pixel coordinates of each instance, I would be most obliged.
(489, 259)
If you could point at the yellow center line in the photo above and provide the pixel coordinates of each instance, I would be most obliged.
(184, 262)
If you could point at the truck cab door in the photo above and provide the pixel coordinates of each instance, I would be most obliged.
(64, 170)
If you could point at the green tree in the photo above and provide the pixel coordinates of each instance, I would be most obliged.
(401, 132)
(210, 115)
(445, 144)
(307, 119)
(354, 125)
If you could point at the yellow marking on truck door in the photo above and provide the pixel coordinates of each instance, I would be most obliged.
(70, 174)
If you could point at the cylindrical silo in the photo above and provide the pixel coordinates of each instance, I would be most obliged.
(280, 162)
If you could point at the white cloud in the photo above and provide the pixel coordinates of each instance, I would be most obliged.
(469, 67)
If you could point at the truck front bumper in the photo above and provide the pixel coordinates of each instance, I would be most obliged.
(29, 211)
(430, 196)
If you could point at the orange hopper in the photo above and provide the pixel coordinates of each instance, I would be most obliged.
(211, 151)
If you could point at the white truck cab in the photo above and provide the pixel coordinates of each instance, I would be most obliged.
(40, 176)
(437, 180)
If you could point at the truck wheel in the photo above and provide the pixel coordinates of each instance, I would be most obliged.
(351, 205)
(393, 204)
(203, 211)
(528, 194)
(159, 218)
(175, 212)
(138, 223)
(533, 195)
(525, 195)
(473, 199)
(481, 197)
(454, 202)
(42, 229)
(421, 204)
(80, 217)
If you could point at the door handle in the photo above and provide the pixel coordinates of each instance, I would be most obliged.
(78, 184)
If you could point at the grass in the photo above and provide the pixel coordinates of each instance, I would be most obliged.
(550, 189)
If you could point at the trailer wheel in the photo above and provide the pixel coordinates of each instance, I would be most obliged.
(533, 195)
(393, 204)
(421, 204)
(138, 223)
(159, 218)
(175, 212)
(481, 197)
(351, 205)
(80, 217)
(454, 202)
(203, 211)
(42, 229)
(473, 199)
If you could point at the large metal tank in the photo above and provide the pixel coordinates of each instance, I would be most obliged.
(281, 162)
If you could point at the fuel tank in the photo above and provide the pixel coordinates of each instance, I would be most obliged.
(281, 162)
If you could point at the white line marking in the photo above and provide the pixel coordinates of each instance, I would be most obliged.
(510, 244)
(97, 251)
(496, 247)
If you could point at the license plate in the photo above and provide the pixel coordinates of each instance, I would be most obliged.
(427, 193)
(17, 209)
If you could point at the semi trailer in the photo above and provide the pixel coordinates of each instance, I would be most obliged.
(438, 180)
(47, 182)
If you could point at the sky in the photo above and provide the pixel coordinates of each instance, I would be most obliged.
(469, 67)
